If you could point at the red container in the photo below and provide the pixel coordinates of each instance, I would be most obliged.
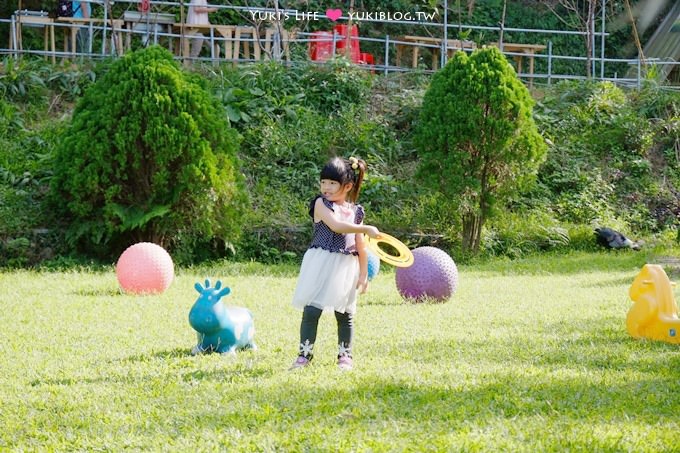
(342, 30)
(341, 44)
(321, 46)
(367, 59)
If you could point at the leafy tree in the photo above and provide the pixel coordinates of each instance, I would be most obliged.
(148, 156)
(476, 136)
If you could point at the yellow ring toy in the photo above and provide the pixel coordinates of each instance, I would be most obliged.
(404, 257)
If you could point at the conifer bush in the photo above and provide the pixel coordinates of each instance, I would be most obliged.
(477, 139)
(148, 156)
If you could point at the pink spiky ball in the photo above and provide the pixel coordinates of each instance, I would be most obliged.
(145, 268)
(433, 276)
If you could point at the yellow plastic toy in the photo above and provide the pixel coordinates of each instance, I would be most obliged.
(654, 313)
(404, 257)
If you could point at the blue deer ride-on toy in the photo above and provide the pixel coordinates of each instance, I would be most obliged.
(220, 328)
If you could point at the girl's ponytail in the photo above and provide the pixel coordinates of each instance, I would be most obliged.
(358, 167)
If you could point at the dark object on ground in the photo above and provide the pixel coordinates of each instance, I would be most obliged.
(612, 239)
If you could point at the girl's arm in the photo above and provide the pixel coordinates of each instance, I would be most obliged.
(324, 214)
(362, 284)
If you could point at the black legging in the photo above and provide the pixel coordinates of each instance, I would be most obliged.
(310, 323)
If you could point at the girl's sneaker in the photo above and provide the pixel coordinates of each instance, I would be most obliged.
(345, 362)
(300, 362)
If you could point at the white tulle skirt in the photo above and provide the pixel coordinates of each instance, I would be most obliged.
(327, 281)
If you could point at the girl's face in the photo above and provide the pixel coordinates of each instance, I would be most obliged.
(334, 191)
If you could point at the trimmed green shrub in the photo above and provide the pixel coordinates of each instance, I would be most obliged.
(477, 138)
(149, 157)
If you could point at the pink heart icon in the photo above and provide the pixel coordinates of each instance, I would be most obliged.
(333, 14)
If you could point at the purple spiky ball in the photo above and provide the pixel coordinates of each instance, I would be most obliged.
(433, 275)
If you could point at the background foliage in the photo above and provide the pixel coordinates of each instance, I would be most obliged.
(612, 159)
(614, 155)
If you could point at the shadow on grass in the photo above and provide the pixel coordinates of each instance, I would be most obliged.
(241, 368)
(246, 268)
(395, 413)
(383, 301)
(99, 292)
(169, 354)
(567, 264)
(623, 281)
(538, 383)
(591, 345)
(421, 412)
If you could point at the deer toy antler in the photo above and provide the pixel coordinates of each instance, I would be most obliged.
(212, 293)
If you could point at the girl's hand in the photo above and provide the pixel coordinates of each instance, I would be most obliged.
(372, 232)
(362, 284)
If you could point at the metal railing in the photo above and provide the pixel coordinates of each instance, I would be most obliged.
(113, 36)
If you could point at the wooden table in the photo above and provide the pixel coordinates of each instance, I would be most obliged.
(187, 32)
(521, 51)
(147, 24)
(432, 43)
(244, 38)
(71, 25)
(32, 20)
(285, 38)
(236, 39)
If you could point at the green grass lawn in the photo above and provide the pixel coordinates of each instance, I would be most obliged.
(530, 355)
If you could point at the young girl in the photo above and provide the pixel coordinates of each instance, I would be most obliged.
(335, 267)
